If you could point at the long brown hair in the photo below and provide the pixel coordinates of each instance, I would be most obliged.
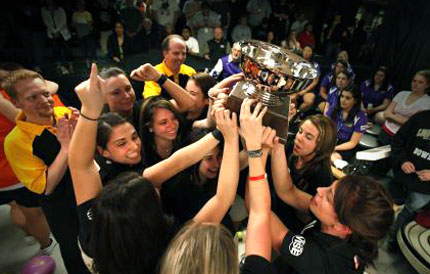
(326, 142)
(146, 118)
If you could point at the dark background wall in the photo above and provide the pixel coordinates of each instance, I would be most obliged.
(404, 40)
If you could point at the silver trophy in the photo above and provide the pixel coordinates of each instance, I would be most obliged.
(271, 74)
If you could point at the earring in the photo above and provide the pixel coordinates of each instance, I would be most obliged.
(151, 130)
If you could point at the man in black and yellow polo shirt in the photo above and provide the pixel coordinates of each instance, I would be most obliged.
(174, 53)
(37, 150)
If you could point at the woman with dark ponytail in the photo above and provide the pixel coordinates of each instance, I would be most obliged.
(351, 216)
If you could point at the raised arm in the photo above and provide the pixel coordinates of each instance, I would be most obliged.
(182, 100)
(7, 108)
(180, 160)
(258, 239)
(284, 186)
(218, 96)
(216, 208)
(85, 176)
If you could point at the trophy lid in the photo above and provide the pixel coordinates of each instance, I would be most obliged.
(278, 60)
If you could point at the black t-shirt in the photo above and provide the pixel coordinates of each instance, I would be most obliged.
(183, 199)
(307, 180)
(255, 264)
(187, 124)
(109, 169)
(313, 251)
(85, 215)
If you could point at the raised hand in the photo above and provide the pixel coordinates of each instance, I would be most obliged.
(292, 110)
(146, 72)
(251, 123)
(92, 94)
(64, 132)
(73, 119)
(224, 87)
(227, 124)
(268, 139)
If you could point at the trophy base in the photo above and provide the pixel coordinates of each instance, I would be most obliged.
(276, 117)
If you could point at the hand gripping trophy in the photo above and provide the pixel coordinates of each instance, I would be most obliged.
(271, 75)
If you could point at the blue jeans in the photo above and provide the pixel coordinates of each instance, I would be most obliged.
(414, 202)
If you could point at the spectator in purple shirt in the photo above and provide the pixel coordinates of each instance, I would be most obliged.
(342, 81)
(329, 80)
(343, 56)
(350, 123)
(377, 95)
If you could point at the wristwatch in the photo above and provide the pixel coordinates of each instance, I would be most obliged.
(254, 153)
(162, 80)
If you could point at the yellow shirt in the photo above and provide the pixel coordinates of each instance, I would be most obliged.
(153, 89)
(21, 145)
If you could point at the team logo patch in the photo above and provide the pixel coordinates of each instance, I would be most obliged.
(90, 214)
(297, 245)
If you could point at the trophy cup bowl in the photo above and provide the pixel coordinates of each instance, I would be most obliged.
(271, 74)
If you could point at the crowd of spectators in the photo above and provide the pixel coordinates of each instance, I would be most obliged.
(93, 30)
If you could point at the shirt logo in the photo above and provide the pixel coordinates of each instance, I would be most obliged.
(296, 245)
(90, 214)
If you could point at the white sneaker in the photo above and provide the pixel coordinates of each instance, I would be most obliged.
(50, 248)
(30, 240)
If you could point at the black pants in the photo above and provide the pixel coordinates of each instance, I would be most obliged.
(61, 214)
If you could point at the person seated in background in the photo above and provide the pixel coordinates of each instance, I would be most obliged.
(132, 20)
(309, 165)
(404, 105)
(343, 56)
(350, 123)
(190, 8)
(228, 64)
(307, 37)
(305, 98)
(190, 41)
(291, 43)
(329, 80)
(118, 44)
(150, 34)
(174, 53)
(203, 23)
(165, 13)
(341, 81)
(377, 95)
(216, 47)
(241, 31)
(411, 166)
(83, 22)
